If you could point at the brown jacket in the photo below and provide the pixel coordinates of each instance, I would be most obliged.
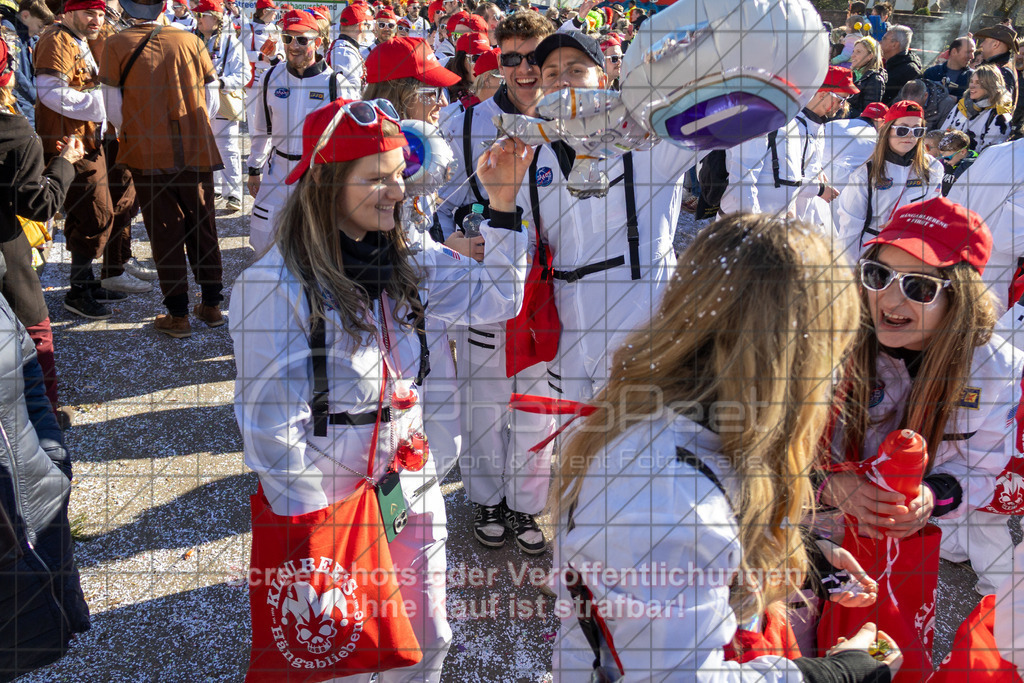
(59, 54)
(166, 126)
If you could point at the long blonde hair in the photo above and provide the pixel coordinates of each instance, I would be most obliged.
(940, 381)
(308, 236)
(919, 162)
(876, 54)
(758, 315)
(992, 81)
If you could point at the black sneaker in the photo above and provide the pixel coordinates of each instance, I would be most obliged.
(83, 303)
(108, 296)
(524, 528)
(488, 526)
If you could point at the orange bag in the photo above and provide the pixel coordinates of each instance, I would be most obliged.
(532, 336)
(974, 656)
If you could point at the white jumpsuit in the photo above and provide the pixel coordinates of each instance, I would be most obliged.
(254, 35)
(270, 328)
(280, 105)
(347, 62)
(232, 67)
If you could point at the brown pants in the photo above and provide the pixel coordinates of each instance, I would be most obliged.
(88, 209)
(178, 210)
(122, 194)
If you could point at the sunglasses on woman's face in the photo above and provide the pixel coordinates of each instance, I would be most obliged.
(908, 131)
(513, 59)
(287, 39)
(430, 95)
(403, 29)
(921, 289)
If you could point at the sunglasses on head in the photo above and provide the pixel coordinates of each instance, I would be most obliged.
(909, 131)
(385, 25)
(614, 59)
(362, 112)
(916, 287)
(287, 39)
(512, 59)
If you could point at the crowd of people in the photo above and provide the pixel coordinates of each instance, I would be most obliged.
(725, 391)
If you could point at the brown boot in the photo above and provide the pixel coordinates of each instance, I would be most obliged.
(210, 315)
(173, 326)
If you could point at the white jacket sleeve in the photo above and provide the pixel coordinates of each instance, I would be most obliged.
(112, 103)
(55, 94)
(853, 209)
(349, 65)
(259, 137)
(273, 386)
(744, 163)
(460, 290)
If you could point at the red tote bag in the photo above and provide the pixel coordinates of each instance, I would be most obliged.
(975, 657)
(907, 572)
(532, 336)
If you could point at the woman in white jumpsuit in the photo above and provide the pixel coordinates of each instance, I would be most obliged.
(898, 173)
(929, 361)
(667, 491)
(340, 247)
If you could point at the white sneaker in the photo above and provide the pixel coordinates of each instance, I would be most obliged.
(126, 283)
(136, 269)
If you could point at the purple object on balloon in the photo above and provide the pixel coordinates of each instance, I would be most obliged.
(754, 116)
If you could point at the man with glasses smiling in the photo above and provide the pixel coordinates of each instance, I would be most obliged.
(286, 95)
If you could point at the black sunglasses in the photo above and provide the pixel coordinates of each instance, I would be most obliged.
(916, 287)
(287, 39)
(511, 59)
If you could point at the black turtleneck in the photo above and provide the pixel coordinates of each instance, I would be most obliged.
(367, 262)
(318, 67)
(810, 115)
(900, 159)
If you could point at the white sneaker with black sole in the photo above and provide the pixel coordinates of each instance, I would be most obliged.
(488, 526)
(525, 530)
(125, 282)
(136, 269)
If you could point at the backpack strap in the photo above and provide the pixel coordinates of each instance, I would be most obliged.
(632, 221)
(266, 104)
(871, 209)
(332, 86)
(467, 152)
(318, 347)
(774, 149)
(135, 56)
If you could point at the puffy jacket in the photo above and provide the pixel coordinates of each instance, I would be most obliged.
(872, 89)
(40, 590)
(901, 68)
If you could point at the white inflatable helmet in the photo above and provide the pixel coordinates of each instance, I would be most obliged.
(428, 158)
(710, 74)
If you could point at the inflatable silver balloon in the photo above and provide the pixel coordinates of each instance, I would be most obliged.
(428, 166)
(702, 74)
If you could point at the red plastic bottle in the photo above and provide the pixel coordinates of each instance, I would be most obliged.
(904, 469)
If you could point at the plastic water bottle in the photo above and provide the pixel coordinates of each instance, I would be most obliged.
(904, 457)
(471, 223)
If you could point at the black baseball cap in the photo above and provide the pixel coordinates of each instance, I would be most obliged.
(575, 39)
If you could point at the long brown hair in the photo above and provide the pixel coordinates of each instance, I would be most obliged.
(758, 315)
(399, 91)
(308, 236)
(942, 378)
(919, 162)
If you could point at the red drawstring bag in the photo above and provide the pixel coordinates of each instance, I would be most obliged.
(1009, 495)
(532, 336)
(777, 638)
(974, 656)
(907, 572)
(323, 593)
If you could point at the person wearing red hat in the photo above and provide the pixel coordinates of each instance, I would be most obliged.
(288, 92)
(780, 172)
(467, 49)
(262, 40)
(342, 256)
(69, 102)
(232, 70)
(355, 29)
(181, 16)
(611, 47)
(419, 27)
(405, 72)
(898, 173)
(487, 75)
(492, 16)
(930, 361)
(433, 9)
(384, 26)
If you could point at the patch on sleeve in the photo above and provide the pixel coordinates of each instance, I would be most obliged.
(971, 399)
(451, 253)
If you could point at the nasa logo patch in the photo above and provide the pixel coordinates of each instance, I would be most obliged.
(877, 394)
(316, 96)
(884, 184)
(452, 253)
(283, 93)
(544, 177)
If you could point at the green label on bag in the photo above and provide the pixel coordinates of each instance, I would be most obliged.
(392, 505)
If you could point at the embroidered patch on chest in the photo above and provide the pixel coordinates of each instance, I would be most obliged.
(544, 177)
(877, 394)
(971, 398)
(915, 182)
(283, 93)
(316, 96)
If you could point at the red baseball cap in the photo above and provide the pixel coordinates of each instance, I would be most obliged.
(940, 233)
(406, 57)
(385, 13)
(404, 21)
(433, 8)
(346, 142)
(75, 5)
(286, 7)
(5, 65)
(460, 17)
(320, 13)
(611, 40)
(488, 61)
(875, 111)
(476, 24)
(299, 21)
(473, 44)
(208, 6)
(839, 79)
(265, 4)
(898, 110)
(354, 14)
